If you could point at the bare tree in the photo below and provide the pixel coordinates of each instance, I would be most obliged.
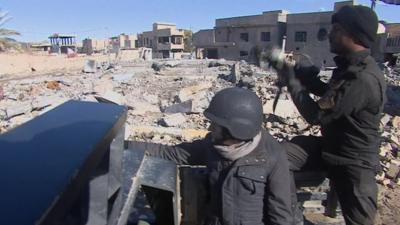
(6, 42)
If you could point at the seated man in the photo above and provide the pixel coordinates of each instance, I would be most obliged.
(248, 174)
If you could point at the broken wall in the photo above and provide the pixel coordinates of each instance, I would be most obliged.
(316, 45)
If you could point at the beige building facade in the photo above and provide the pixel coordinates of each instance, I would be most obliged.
(113, 44)
(242, 38)
(165, 40)
(123, 42)
(90, 45)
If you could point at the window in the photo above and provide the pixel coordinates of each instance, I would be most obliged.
(300, 36)
(163, 40)
(177, 40)
(244, 53)
(322, 34)
(265, 36)
(244, 37)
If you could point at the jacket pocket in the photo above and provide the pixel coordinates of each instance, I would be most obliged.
(252, 178)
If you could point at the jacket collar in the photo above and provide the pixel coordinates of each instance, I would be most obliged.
(257, 156)
(351, 59)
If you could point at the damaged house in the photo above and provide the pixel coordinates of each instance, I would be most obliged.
(242, 38)
(165, 40)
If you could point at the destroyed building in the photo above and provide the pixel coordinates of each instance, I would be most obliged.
(240, 38)
(40, 47)
(307, 33)
(165, 40)
(61, 43)
(124, 41)
(113, 44)
(90, 45)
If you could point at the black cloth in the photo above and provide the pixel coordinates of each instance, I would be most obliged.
(253, 190)
(349, 112)
(359, 21)
(350, 126)
(355, 186)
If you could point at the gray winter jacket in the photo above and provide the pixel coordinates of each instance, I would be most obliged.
(253, 190)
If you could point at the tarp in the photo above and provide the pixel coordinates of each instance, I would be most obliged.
(392, 2)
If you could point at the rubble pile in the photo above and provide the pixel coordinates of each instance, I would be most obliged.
(164, 102)
(390, 127)
(166, 98)
(393, 90)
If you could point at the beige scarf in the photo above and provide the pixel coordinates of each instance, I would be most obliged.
(236, 151)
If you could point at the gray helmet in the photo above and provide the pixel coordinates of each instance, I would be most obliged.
(238, 110)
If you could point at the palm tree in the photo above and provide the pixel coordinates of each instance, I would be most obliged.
(5, 41)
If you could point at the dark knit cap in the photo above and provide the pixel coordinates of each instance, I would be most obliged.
(360, 22)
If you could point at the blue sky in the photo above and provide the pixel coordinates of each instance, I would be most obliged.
(37, 19)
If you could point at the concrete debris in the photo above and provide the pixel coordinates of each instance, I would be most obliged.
(247, 82)
(112, 97)
(151, 132)
(1, 93)
(173, 120)
(285, 109)
(172, 63)
(15, 96)
(396, 121)
(89, 98)
(235, 73)
(102, 86)
(3, 114)
(218, 63)
(201, 101)
(142, 107)
(65, 82)
(245, 69)
(123, 78)
(385, 150)
(158, 66)
(385, 120)
(184, 107)
(152, 99)
(393, 170)
(42, 102)
(189, 93)
(18, 109)
(53, 85)
(90, 66)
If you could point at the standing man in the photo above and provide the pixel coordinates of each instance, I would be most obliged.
(348, 110)
(248, 172)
